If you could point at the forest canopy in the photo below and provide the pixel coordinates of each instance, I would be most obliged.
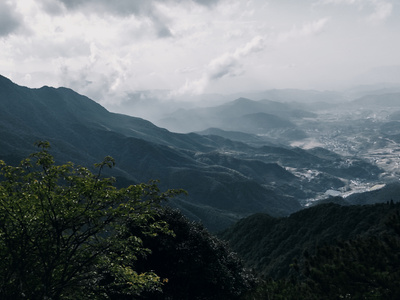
(67, 233)
(64, 231)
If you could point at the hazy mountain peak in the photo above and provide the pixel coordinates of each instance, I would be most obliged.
(240, 101)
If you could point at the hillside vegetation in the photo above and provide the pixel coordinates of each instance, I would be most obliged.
(66, 233)
(324, 252)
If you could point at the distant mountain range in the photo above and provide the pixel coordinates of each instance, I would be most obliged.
(226, 178)
(156, 104)
(383, 100)
(244, 115)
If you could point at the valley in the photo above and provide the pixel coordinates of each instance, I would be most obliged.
(368, 133)
(363, 130)
(278, 181)
(234, 159)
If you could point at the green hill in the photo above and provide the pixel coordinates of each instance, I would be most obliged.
(271, 245)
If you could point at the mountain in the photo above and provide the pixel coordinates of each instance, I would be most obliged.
(243, 115)
(248, 138)
(271, 245)
(152, 105)
(395, 115)
(295, 95)
(373, 89)
(383, 100)
(226, 179)
(82, 131)
(260, 122)
(390, 192)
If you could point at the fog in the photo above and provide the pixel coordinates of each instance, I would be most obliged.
(160, 108)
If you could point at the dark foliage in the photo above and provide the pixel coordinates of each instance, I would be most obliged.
(192, 263)
(356, 257)
(64, 231)
(271, 244)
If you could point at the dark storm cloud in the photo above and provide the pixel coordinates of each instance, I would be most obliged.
(9, 19)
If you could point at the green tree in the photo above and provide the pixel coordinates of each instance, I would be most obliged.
(64, 231)
(194, 263)
(363, 267)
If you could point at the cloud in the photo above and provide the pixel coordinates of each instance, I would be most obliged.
(107, 49)
(382, 9)
(206, 2)
(98, 75)
(307, 29)
(230, 64)
(227, 65)
(115, 7)
(9, 19)
(52, 7)
(144, 9)
(125, 7)
(341, 1)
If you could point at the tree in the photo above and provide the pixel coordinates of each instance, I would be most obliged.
(64, 231)
(365, 266)
(194, 263)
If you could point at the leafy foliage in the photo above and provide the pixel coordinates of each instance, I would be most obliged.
(363, 268)
(64, 232)
(271, 244)
(360, 261)
(193, 263)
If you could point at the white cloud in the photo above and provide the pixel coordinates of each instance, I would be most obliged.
(99, 75)
(108, 49)
(307, 29)
(227, 65)
(381, 9)
(341, 1)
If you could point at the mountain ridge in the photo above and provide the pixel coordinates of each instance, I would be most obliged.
(82, 131)
(226, 179)
(271, 244)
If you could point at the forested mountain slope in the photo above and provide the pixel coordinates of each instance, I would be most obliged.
(82, 131)
(225, 179)
(272, 245)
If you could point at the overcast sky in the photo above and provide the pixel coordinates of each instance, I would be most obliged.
(107, 49)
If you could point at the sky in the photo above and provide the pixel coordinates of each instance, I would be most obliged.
(107, 50)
